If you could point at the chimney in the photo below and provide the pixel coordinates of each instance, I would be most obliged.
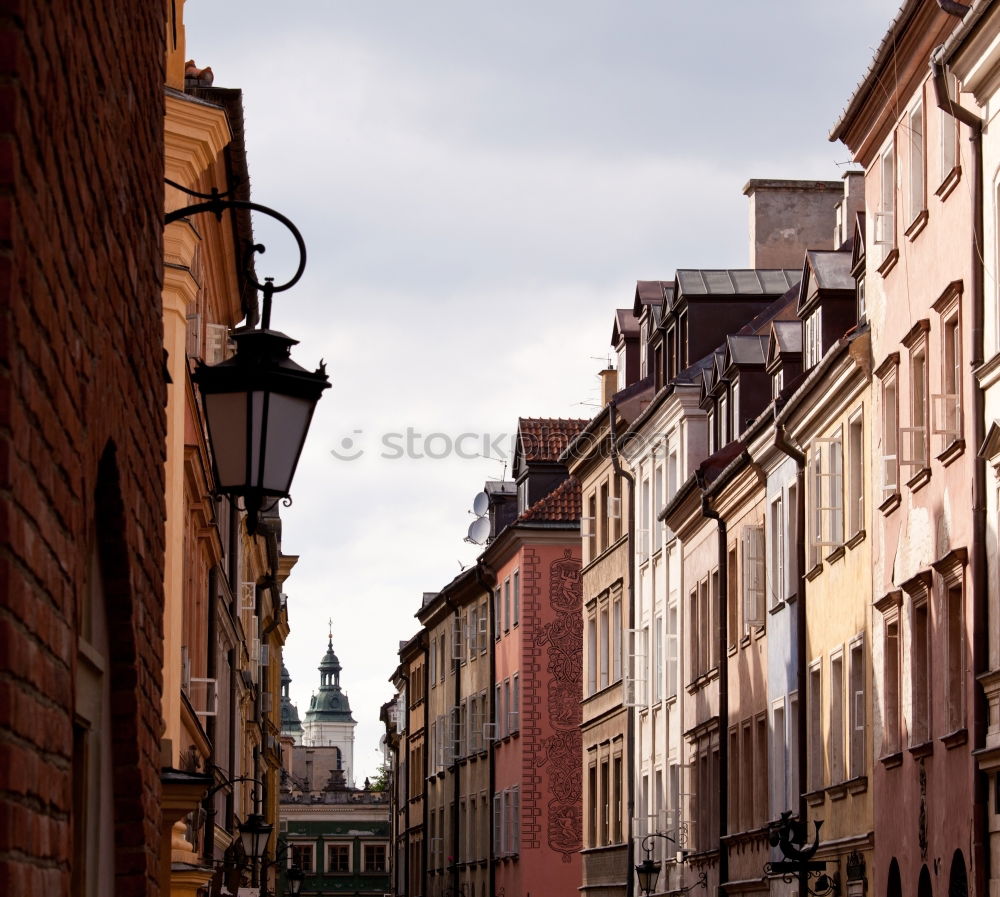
(609, 384)
(789, 217)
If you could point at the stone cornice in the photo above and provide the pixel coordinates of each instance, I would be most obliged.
(195, 133)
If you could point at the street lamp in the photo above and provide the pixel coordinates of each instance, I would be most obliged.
(648, 871)
(254, 834)
(294, 876)
(259, 403)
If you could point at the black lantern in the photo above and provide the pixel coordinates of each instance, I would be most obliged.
(648, 872)
(294, 876)
(258, 406)
(254, 834)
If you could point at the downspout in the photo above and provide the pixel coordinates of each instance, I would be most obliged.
(487, 580)
(630, 726)
(723, 648)
(784, 443)
(425, 803)
(211, 725)
(980, 595)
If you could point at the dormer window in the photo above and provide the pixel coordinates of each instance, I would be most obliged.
(814, 338)
(777, 383)
(862, 308)
(737, 419)
(723, 421)
(522, 497)
(621, 369)
(643, 349)
(711, 432)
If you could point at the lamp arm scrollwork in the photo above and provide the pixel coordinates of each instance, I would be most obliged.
(216, 203)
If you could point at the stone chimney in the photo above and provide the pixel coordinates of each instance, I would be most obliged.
(789, 217)
(853, 202)
(609, 384)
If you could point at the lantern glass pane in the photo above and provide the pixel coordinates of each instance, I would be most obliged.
(287, 424)
(226, 413)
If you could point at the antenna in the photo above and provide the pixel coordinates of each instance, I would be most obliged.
(479, 531)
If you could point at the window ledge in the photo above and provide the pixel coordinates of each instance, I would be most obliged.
(920, 479)
(856, 539)
(891, 761)
(745, 639)
(891, 503)
(836, 554)
(955, 450)
(815, 798)
(924, 749)
(731, 650)
(857, 785)
(889, 263)
(837, 792)
(949, 183)
(917, 225)
(814, 572)
(955, 739)
(777, 606)
(759, 631)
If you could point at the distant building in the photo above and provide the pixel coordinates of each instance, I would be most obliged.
(336, 833)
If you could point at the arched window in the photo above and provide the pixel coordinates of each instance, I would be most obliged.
(894, 885)
(924, 883)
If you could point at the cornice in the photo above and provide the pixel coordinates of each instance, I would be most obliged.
(195, 133)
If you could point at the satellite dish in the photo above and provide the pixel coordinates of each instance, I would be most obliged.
(480, 504)
(479, 531)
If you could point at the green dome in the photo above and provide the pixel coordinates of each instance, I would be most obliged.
(329, 704)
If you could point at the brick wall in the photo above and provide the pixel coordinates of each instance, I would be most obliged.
(81, 397)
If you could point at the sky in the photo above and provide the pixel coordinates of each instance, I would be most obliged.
(479, 187)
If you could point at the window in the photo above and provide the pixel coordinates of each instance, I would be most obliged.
(855, 483)
(791, 540)
(732, 600)
(592, 805)
(514, 713)
(643, 525)
(432, 661)
(885, 226)
(704, 634)
(616, 639)
(603, 528)
(605, 804)
(753, 577)
(955, 609)
(777, 578)
(949, 137)
(827, 460)
(672, 650)
(890, 428)
(814, 338)
(793, 748)
(779, 756)
(891, 698)
(835, 740)
(517, 598)
(760, 776)
(714, 604)
(658, 659)
(711, 432)
(723, 421)
(916, 447)
(920, 667)
(856, 706)
(815, 707)
(375, 858)
(862, 301)
(497, 612)
(917, 198)
(338, 858)
(616, 815)
(615, 510)
(472, 632)
(604, 645)
(588, 527)
(506, 605)
(591, 654)
(505, 719)
(693, 634)
(947, 406)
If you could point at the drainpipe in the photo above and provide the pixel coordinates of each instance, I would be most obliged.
(723, 648)
(980, 596)
(785, 444)
(622, 474)
(425, 803)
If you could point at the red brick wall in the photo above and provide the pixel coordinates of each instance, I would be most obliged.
(81, 379)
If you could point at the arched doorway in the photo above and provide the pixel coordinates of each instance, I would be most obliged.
(924, 883)
(894, 884)
(958, 880)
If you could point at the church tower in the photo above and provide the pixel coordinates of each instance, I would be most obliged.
(328, 720)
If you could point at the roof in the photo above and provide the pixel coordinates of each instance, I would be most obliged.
(736, 281)
(652, 292)
(831, 269)
(626, 325)
(746, 349)
(881, 56)
(545, 438)
(787, 335)
(562, 504)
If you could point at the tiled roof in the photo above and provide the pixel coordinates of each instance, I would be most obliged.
(563, 504)
(545, 438)
(736, 282)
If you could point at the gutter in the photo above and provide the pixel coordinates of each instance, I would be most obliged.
(980, 597)
(723, 648)
(622, 474)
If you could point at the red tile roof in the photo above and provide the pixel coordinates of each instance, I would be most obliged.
(563, 504)
(545, 438)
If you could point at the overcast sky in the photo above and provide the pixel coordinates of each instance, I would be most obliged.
(480, 186)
